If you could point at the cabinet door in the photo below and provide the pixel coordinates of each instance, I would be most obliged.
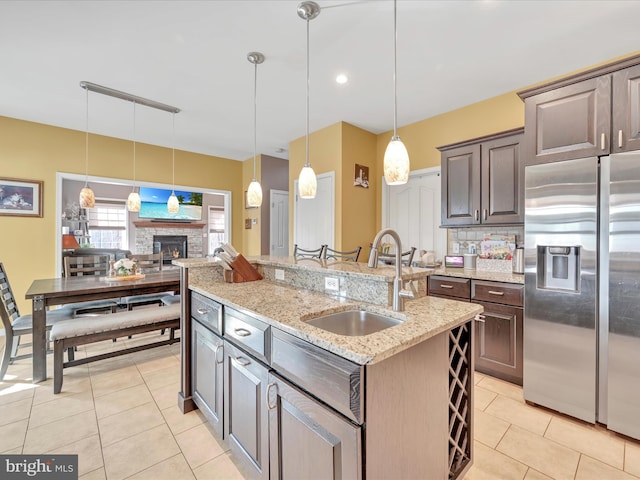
(245, 414)
(626, 110)
(502, 181)
(307, 439)
(207, 374)
(498, 342)
(569, 122)
(461, 186)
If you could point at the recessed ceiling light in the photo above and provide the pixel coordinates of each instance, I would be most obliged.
(342, 79)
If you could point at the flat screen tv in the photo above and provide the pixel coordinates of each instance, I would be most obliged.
(154, 205)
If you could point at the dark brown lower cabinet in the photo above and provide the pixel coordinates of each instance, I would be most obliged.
(307, 439)
(498, 345)
(498, 333)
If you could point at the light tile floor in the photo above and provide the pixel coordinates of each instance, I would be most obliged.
(121, 417)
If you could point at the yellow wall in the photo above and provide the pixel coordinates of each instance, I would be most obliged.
(36, 152)
(251, 237)
(358, 204)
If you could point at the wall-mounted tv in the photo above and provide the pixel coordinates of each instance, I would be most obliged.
(154, 205)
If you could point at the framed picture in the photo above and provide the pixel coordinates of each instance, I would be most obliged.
(20, 198)
(246, 202)
(361, 176)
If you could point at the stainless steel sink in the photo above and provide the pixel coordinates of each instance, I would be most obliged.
(353, 323)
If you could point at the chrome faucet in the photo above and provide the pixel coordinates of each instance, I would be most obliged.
(399, 294)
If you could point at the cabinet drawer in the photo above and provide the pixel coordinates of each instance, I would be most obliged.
(248, 333)
(449, 286)
(333, 379)
(207, 312)
(504, 293)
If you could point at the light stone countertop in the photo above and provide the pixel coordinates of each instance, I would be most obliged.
(348, 269)
(286, 308)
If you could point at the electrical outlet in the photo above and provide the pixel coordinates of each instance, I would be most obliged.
(279, 274)
(331, 284)
(455, 247)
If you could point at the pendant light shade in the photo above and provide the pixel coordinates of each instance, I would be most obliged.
(307, 182)
(396, 162)
(173, 206)
(254, 192)
(87, 198)
(133, 201)
(396, 157)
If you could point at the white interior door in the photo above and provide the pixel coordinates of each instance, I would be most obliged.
(314, 218)
(279, 223)
(413, 210)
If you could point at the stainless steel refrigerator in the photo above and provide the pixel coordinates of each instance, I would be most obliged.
(582, 289)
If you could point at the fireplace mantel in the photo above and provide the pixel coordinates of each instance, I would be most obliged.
(168, 225)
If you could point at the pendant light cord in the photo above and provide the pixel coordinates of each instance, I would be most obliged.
(255, 115)
(395, 73)
(173, 153)
(86, 143)
(307, 163)
(134, 147)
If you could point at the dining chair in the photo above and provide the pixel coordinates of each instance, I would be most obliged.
(16, 325)
(351, 255)
(89, 265)
(407, 257)
(147, 262)
(303, 252)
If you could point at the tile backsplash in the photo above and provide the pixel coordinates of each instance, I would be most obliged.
(464, 237)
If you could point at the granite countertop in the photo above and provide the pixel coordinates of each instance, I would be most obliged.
(286, 308)
(505, 277)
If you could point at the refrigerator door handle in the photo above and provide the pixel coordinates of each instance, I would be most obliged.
(603, 294)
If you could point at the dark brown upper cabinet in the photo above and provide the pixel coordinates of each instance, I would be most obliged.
(483, 181)
(589, 114)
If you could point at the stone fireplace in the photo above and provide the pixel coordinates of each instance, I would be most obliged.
(171, 246)
(187, 238)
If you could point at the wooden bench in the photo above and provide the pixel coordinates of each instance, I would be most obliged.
(81, 331)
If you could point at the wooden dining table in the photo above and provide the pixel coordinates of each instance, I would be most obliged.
(46, 293)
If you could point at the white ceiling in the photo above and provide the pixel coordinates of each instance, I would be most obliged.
(192, 54)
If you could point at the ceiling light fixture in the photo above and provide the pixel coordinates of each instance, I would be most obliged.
(87, 197)
(133, 201)
(307, 182)
(172, 204)
(342, 79)
(396, 157)
(254, 192)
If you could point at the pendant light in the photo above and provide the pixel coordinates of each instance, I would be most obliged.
(87, 197)
(133, 201)
(254, 192)
(396, 157)
(172, 204)
(307, 183)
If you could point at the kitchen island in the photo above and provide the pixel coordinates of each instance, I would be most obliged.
(290, 398)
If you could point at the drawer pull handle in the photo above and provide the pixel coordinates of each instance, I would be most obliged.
(602, 141)
(203, 311)
(620, 138)
(477, 215)
(493, 292)
(445, 286)
(242, 361)
(269, 407)
(218, 348)
(479, 318)
(242, 332)
(485, 213)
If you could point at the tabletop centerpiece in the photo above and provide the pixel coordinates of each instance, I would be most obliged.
(124, 269)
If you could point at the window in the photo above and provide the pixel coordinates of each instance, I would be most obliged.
(108, 224)
(217, 234)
